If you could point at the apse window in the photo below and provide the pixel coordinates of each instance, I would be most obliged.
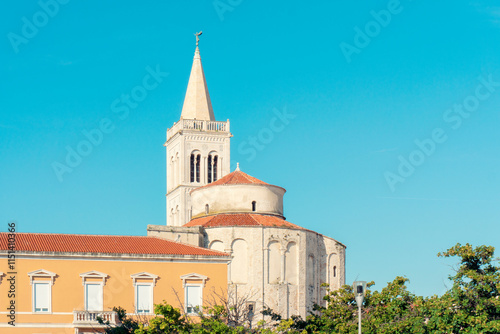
(207, 208)
(254, 206)
(250, 309)
(41, 300)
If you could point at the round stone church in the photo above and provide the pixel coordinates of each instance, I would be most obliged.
(275, 264)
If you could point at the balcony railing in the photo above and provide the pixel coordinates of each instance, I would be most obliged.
(192, 124)
(90, 317)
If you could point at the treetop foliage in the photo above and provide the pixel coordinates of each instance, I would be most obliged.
(472, 306)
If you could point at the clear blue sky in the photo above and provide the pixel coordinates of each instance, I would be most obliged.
(357, 113)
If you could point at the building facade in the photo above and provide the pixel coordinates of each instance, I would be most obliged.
(275, 263)
(61, 283)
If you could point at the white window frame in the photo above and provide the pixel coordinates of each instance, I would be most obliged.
(33, 296)
(148, 279)
(42, 273)
(151, 294)
(93, 275)
(186, 298)
(47, 277)
(85, 299)
(185, 282)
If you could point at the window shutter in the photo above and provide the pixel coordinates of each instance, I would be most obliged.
(193, 298)
(42, 297)
(94, 297)
(144, 298)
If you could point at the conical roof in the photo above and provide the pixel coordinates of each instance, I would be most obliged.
(236, 177)
(197, 104)
(242, 219)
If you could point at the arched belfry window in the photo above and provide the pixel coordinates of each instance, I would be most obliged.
(194, 167)
(216, 158)
(254, 206)
(191, 168)
(212, 167)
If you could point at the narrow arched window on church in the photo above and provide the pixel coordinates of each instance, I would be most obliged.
(274, 262)
(191, 168)
(254, 206)
(311, 271)
(216, 158)
(334, 271)
(210, 168)
(198, 161)
(207, 208)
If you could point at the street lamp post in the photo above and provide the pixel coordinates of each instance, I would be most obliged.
(359, 292)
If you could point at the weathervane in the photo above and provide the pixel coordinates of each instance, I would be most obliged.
(198, 34)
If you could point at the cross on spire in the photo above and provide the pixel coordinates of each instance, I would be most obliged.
(198, 34)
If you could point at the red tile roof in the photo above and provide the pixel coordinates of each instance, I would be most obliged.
(111, 244)
(236, 177)
(241, 219)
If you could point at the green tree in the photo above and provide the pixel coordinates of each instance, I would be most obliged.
(214, 320)
(167, 320)
(472, 305)
(392, 310)
(125, 325)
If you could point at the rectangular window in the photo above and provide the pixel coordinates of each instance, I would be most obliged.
(41, 292)
(144, 298)
(193, 298)
(93, 297)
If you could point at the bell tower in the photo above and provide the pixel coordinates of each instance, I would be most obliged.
(197, 147)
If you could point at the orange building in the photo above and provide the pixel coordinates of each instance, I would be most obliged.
(61, 283)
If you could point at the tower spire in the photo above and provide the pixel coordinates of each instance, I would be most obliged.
(197, 104)
(198, 152)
